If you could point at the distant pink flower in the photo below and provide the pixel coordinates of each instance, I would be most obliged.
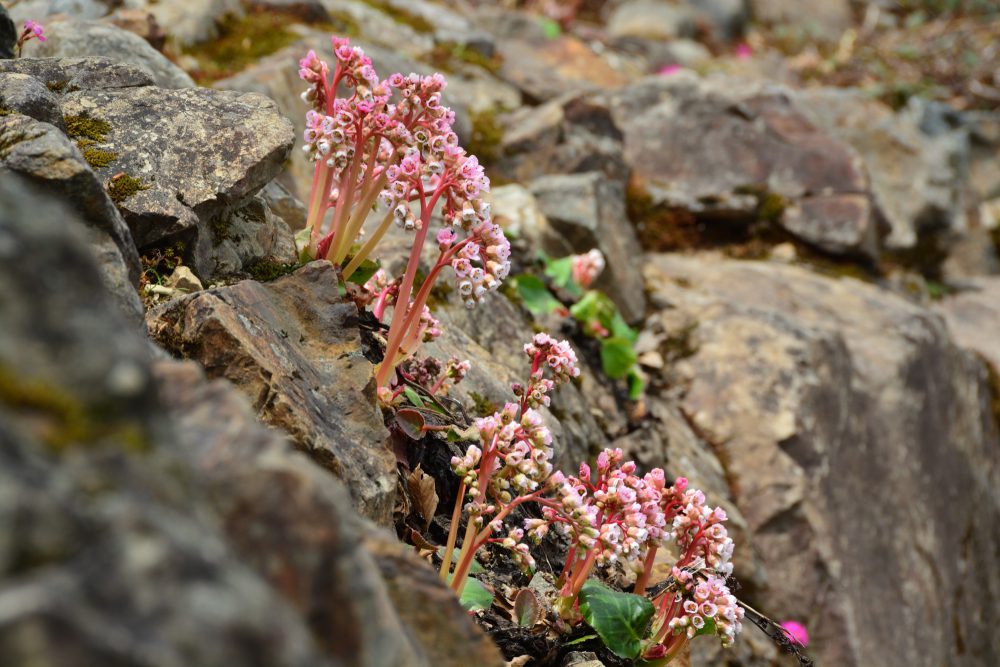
(31, 31)
(667, 70)
(743, 51)
(796, 632)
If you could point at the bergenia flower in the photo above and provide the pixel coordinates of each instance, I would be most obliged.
(32, 30)
(796, 632)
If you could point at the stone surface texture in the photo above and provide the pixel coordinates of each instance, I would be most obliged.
(149, 519)
(854, 431)
(200, 154)
(587, 211)
(293, 347)
(71, 37)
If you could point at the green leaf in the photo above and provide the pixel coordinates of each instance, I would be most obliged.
(561, 271)
(535, 295)
(365, 270)
(708, 629)
(619, 618)
(580, 640)
(596, 307)
(617, 357)
(550, 28)
(475, 596)
(636, 385)
(620, 328)
(413, 397)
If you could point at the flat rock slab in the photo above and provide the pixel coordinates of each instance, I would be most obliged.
(199, 152)
(67, 75)
(70, 37)
(294, 348)
(973, 316)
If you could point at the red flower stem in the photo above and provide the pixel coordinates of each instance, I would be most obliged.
(449, 548)
(647, 568)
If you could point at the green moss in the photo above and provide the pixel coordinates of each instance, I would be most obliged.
(242, 41)
(123, 186)
(264, 270)
(482, 406)
(487, 136)
(399, 15)
(447, 55)
(770, 206)
(97, 158)
(4, 111)
(56, 86)
(60, 420)
(220, 228)
(340, 23)
(83, 127)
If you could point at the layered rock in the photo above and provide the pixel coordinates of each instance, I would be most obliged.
(152, 521)
(859, 444)
(294, 347)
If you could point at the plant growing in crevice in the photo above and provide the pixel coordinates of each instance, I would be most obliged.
(510, 466)
(570, 279)
(402, 159)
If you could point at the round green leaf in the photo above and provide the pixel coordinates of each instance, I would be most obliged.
(617, 357)
(475, 596)
(619, 618)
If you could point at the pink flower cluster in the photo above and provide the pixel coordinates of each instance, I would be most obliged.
(550, 357)
(586, 267)
(708, 600)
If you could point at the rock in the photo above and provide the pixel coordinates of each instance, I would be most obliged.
(651, 19)
(984, 172)
(838, 224)
(38, 10)
(824, 19)
(294, 348)
(215, 541)
(246, 240)
(183, 279)
(8, 34)
(581, 659)
(141, 23)
(43, 155)
(575, 133)
(546, 68)
(28, 96)
(718, 151)
(588, 211)
(190, 22)
(917, 181)
(973, 315)
(67, 75)
(307, 11)
(197, 155)
(433, 618)
(378, 27)
(829, 400)
(517, 211)
(284, 205)
(71, 38)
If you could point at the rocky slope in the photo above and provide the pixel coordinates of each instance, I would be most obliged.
(203, 476)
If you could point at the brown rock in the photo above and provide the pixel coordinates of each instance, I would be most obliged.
(973, 317)
(858, 442)
(547, 68)
(294, 348)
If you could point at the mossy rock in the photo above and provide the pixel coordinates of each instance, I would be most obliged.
(123, 186)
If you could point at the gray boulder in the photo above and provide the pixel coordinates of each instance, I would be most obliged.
(43, 155)
(149, 520)
(71, 37)
(22, 10)
(28, 96)
(196, 155)
(67, 75)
